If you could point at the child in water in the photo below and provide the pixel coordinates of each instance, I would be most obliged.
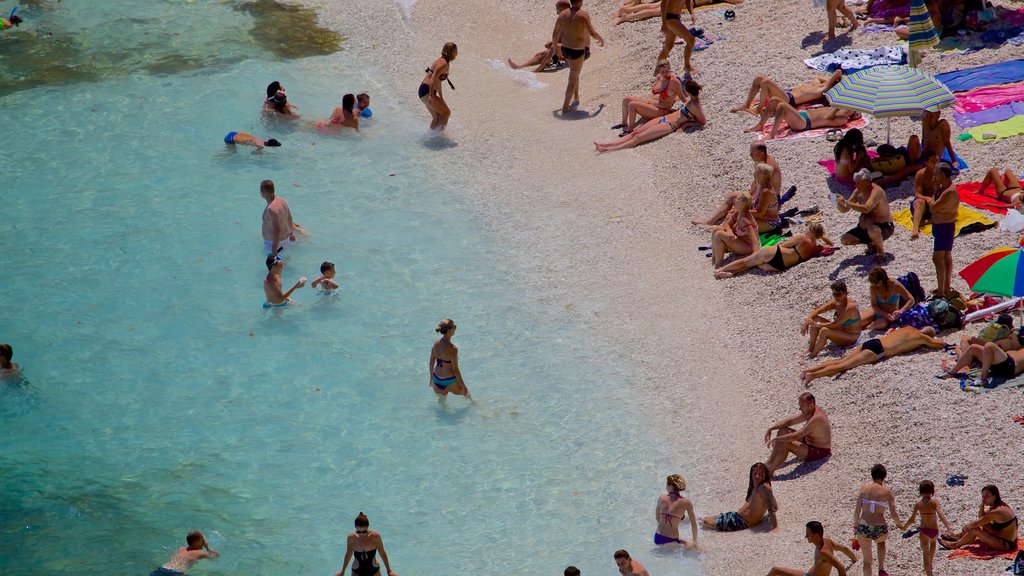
(326, 281)
(930, 511)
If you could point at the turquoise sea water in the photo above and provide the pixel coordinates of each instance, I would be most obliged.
(163, 398)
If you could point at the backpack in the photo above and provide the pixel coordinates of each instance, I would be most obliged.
(916, 316)
(945, 315)
(912, 283)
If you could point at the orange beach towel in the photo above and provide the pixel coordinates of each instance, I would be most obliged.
(981, 553)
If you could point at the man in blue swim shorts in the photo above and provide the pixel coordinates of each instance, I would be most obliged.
(243, 138)
(186, 556)
(944, 211)
(824, 555)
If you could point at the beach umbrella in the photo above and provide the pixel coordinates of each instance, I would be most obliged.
(1001, 272)
(887, 91)
(921, 29)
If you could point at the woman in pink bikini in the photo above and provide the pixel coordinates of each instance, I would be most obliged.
(666, 90)
(671, 510)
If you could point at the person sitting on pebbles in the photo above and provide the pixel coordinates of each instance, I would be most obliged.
(782, 256)
(760, 502)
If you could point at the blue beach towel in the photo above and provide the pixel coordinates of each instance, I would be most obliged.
(980, 76)
(963, 167)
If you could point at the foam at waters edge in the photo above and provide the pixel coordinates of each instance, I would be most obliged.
(522, 76)
(407, 8)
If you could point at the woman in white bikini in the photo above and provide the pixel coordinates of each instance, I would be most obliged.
(869, 523)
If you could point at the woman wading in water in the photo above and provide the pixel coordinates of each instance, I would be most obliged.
(445, 377)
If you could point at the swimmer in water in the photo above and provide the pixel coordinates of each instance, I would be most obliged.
(279, 104)
(273, 286)
(15, 20)
(346, 116)
(186, 556)
(363, 105)
(444, 372)
(246, 139)
(364, 544)
(326, 281)
(8, 370)
(272, 89)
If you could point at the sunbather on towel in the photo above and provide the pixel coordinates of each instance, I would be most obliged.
(995, 362)
(843, 328)
(760, 502)
(636, 10)
(811, 92)
(996, 527)
(813, 441)
(737, 234)
(782, 256)
(896, 342)
(546, 57)
(1006, 186)
(759, 154)
(690, 115)
(935, 136)
(850, 155)
(885, 296)
(875, 223)
(802, 120)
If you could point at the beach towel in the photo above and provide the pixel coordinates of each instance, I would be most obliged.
(988, 97)
(854, 60)
(889, 9)
(961, 163)
(876, 28)
(1005, 129)
(967, 221)
(968, 192)
(785, 133)
(982, 553)
(988, 116)
(981, 76)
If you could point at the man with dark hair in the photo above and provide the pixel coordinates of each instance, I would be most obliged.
(628, 566)
(8, 369)
(570, 41)
(571, 571)
(278, 227)
(273, 286)
(811, 442)
(186, 556)
(824, 555)
(924, 192)
(944, 211)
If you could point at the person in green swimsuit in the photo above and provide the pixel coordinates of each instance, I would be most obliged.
(843, 328)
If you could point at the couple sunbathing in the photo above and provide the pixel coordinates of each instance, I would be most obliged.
(1003, 359)
(689, 115)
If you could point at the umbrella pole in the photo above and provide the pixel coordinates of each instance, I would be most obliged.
(887, 123)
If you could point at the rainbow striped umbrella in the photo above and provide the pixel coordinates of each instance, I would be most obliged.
(1001, 271)
(888, 91)
(922, 29)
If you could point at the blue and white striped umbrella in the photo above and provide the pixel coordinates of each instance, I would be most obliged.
(921, 28)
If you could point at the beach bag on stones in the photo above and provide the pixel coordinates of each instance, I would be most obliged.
(944, 314)
(916, 316)
(912, 283)
(1017, 568)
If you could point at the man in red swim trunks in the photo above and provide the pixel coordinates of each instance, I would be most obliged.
(811, 442)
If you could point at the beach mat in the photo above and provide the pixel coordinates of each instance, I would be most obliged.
(981, 76)
(979, 552)
(967, 221)
(988, 97)
(969, 194)
(992, 115)
(995, 384)
(1005, 129)
(786, 134)
(854, 60)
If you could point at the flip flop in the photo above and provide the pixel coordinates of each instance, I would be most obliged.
(911, 532)
(618, 127)
(833, 135)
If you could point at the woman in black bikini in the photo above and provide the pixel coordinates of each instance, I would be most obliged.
(1006, 185)
(445, 377)
(995, 528)
(430, 88)
(691, 114)
(782, 256)
(364, 544)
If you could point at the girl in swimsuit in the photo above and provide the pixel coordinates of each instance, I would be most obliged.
(995, 528)
(843, 328)
(365, 544)
(869, 523)
(445, 377)
(886, 296)
(664, 92)
(765, 199)
(782, 256)
(850, 155)
(344, 116)
(738, 234)
(930, 511)
(1006, 185)
(690, 115)
(430, 87)
(672, 509)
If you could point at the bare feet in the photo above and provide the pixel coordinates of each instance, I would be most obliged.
(513, 65)
(699, 222)
(720, 275)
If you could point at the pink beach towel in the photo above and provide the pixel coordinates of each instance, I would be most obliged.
(979, 552)
(785, 133)
(968, 192)
(988, 97)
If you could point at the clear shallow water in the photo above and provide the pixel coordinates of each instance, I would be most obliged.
(164, 398)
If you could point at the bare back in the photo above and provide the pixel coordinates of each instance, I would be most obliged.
(874, 501)
(277, 212)
(819, 430)
(444, 352)
(574, 27)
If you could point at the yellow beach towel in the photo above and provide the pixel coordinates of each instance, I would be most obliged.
(1005, 129)
(964, 217)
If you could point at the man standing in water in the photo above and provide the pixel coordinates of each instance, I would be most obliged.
(672, 27)
(278, 227)
(811, 442)
(186, 556)
(8, 369)
(569, 40)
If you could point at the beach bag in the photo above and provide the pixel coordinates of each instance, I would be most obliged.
(994, 332)
(1017, 567)
(1014, 222)
(912, 283)
(944, 314)
(916, 316)
(889, 160)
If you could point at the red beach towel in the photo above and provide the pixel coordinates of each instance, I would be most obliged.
(968, 192)
(979, 552)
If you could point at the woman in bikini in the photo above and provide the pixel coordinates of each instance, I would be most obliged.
(803, 120)
(930, 511)
(873, 499)
(896, 342)
(1006, 185)
(445, 377)
(430, 88)
(666, 90)
(885, 296)
(850, 155)
(843, 328)
(689, 115)
(365, 544)
(765, 199)
(995, 528)
(672, 509)
(782, 256)
(344, 117)
(737, 234)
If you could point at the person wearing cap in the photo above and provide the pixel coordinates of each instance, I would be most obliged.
(944, 211)
(875, 224)
(246, 139)
(273, 285)
(278, 227)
